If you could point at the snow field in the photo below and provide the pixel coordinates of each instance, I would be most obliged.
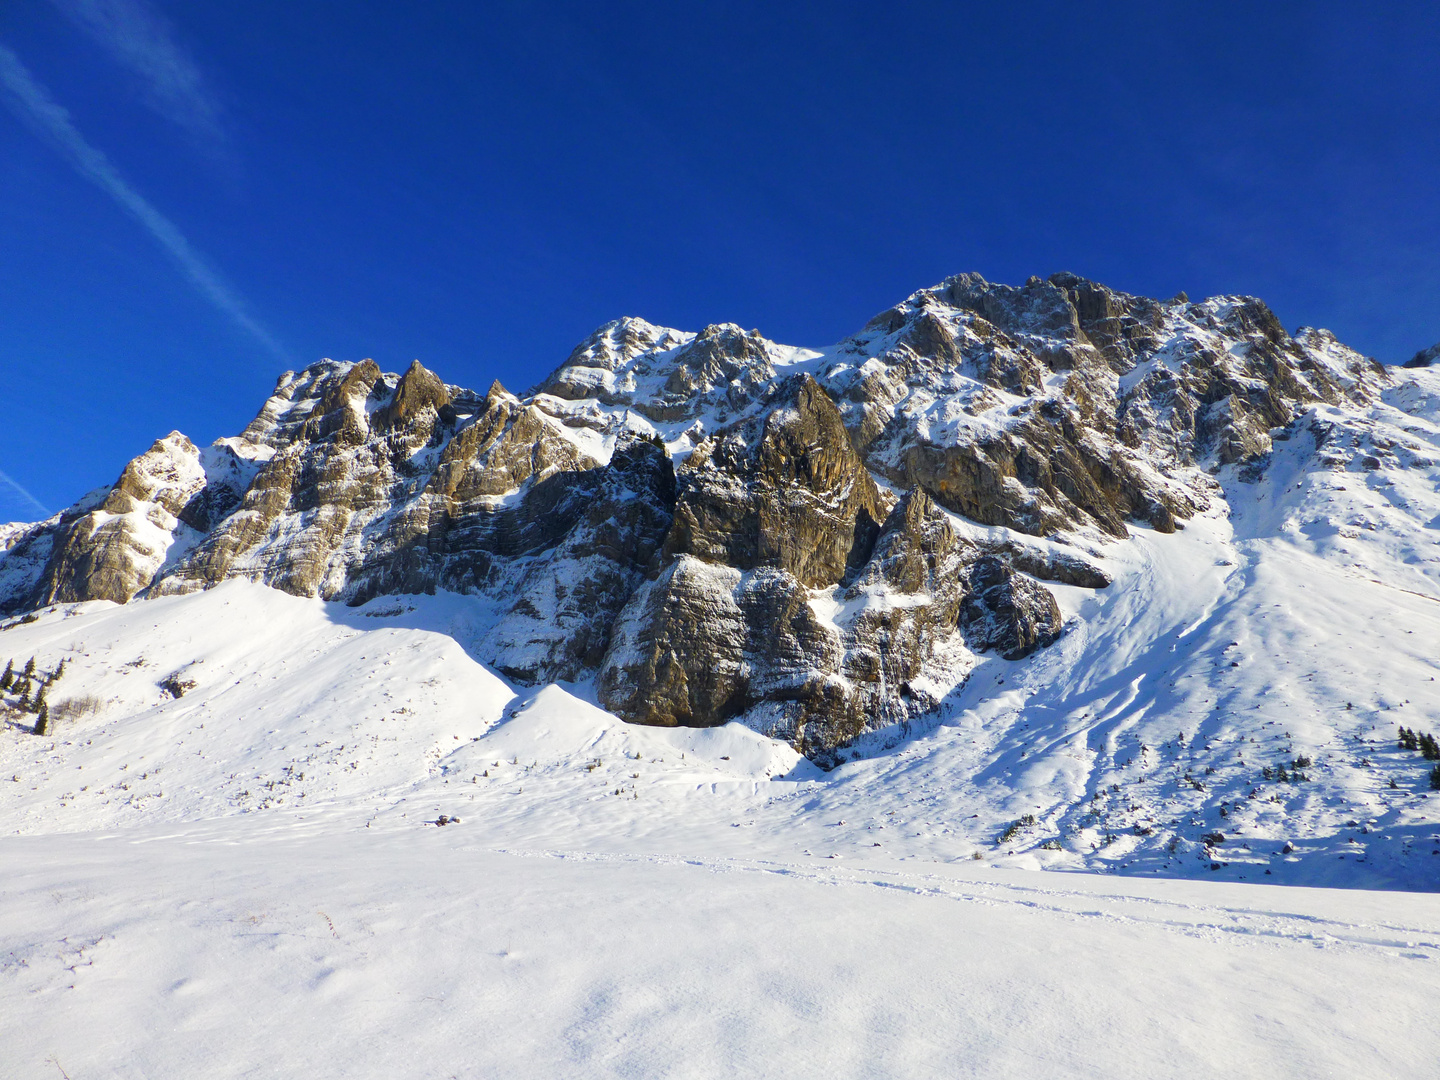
(231, 950)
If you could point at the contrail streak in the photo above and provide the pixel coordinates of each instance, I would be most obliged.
(25, 495)
(33, 104)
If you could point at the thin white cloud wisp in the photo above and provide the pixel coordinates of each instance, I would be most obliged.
(141, 39)
(34, 105)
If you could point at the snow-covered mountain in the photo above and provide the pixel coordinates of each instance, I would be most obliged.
(1051, 573)
(747, 681)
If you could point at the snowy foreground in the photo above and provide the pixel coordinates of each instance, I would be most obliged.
(289, 947)
(247, 880)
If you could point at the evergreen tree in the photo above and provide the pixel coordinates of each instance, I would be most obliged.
(42, 720)
(30, 668)
(24, 697)
(1435, 778)
(1429, 747)
(1404, 737)
(8, 679)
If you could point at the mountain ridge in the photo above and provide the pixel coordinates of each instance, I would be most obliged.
(711, 525)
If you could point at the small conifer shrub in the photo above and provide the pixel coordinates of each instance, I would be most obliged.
(1026, 821)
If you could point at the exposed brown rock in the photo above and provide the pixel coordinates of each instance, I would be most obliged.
(703, 644)
(1007, 612)
(418, 390)
(786, 489)
(113, 551)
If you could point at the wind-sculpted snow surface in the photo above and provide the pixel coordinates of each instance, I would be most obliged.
(393, 953)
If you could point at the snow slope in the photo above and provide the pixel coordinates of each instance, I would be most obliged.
(243, 881)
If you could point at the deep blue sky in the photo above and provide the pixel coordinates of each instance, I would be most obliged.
(480, 185)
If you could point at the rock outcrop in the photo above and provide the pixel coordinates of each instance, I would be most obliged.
(713, 526)
(784, 488)
(1425, 357)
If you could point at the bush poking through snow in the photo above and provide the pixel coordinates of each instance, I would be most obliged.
(1027, 821)
(175, 686)
(1280, 774)
(76, 707)
(1422, 741)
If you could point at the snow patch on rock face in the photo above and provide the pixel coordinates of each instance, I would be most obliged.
(665, 375)
(12, 531)
(112, 548)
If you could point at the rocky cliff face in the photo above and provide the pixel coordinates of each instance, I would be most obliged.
(713, 526)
